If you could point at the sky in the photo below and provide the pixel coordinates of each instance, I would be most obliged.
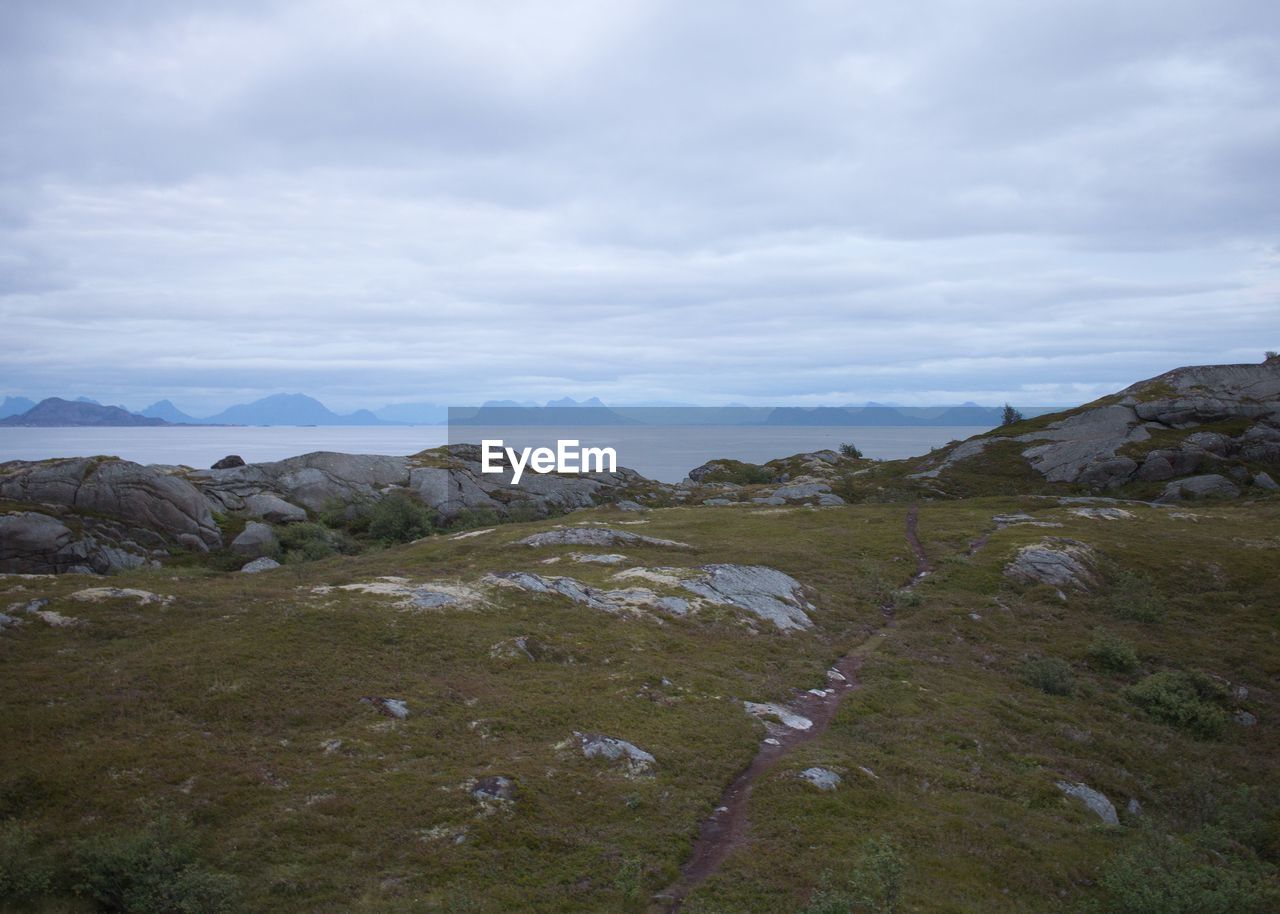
(756, 202)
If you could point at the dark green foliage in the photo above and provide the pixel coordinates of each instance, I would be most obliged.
(1010, 416)
(307, 542)
(739, 473)
(1050, 675)
(25, 872)
(1112, 653)
(850, 450)
(873, 886)
(1132, 596)
(1167, 876)
(397, 518)
(471, 518)
(150, 872)
(1188, 701)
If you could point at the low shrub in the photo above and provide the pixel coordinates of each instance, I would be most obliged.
(151, 872)
(397, 518)
(1111, 653)
(1132, 596)
(874, 885)
(26, 872)
(1050, 675)
(1169, 876)
(308, 542)
(1188, 701)
(850, 450)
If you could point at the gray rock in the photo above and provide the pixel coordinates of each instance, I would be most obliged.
(762, 591)
(497, 788)
(138, 496)
(801, 491)
(629, 599)
(627, 505)
(1096, 802)
(612, 749)
(263, 563)
(821, 778)
(229, 462)
(595, 536)
(963, 451)
(1245, 719)
(1264, 481)
(1056, 562)
(719, 502)
(392, 707)
(273, 509)
(1134, 808)
(830, 500)
(1086, 443)
(1210, 485)
(255, 540)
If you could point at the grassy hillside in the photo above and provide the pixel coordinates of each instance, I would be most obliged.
(227, 724)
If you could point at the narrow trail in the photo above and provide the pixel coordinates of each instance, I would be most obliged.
(726, 829)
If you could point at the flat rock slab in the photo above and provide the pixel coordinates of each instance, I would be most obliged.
(1103, 513)
(822, 778)
(596, 536)
(98, 594)
(762, 591)
(1096, 801)
(768, 711)
(410, 595)
(629, 599)
(1056, 562)
(392, 707)
(610, 748)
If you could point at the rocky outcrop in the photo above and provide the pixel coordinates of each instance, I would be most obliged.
(612, 749)
(1111, 444)
(764, 592)
(33, 542)
(143, 497)
(1057, 562)
(1210, 485)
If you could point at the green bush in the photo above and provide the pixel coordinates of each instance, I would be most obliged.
(1188, 701)
(309, 542)
(471, 518)
(874, 885)
(397, 518)
(25, 871)
(1050, 675)
(353, 517)
(151, 872)
(739, 473)
(1112, 653)
(850, 450)
(1132, 596)
(1167, 876)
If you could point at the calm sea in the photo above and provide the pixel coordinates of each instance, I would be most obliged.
(666, 454)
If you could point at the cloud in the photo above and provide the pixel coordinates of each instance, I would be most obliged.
(639, 200)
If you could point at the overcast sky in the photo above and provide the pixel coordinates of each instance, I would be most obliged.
(705, 201)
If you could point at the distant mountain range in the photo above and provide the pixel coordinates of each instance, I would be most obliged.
(301, 410)
(58, 412)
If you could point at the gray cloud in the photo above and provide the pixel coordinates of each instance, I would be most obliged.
(766, 202)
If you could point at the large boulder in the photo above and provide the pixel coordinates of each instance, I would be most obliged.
(256, 539)
(273, 509)
(140, 496)
(1210, 485)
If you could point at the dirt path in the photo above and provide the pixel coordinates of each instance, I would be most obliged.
(726, 829)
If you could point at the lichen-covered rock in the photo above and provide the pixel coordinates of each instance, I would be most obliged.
(629, 599)
(1096, 801)
(596, 536)
(769, 711)
(822, 778)
(395, 708)
(138, 496)
(764, 592)
(264, 563)
(1057, 562)
(636, 760)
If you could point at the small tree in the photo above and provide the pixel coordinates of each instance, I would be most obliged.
(849, 449)
(1271, 354)
(1010, 415)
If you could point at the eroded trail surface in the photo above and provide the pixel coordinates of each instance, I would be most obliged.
(726, 829)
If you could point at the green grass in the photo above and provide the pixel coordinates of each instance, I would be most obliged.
(215, 711)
